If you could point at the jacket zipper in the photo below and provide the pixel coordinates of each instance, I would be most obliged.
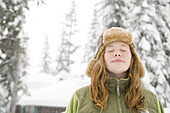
(118, 96)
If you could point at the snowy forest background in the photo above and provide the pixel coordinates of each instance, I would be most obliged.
(60, 41)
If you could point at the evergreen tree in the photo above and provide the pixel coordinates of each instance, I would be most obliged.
(151, 31)
(12, 53)
(90, 47)
(113, 13)
(67, 48)
(9, 74)
(107, 14)
(46, 61)
(22, 67)
(63, 57)
(148, 20)
(163, 26)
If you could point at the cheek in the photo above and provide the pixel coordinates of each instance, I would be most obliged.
(106, 59)
(128, 58)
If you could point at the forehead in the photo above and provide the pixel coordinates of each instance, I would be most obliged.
(119, 44)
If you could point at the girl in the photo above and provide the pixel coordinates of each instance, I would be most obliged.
(115, 75)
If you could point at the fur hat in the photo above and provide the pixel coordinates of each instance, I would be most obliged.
(115, 34)
(111, 35)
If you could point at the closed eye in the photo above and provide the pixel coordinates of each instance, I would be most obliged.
(110, 50)
(123, 50)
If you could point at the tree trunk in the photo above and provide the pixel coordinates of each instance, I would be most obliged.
(14, 91)
(13, 98)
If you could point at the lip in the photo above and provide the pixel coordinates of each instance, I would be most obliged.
(117, 61)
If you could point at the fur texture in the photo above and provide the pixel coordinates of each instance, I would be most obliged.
(117, 34)
(111, 35)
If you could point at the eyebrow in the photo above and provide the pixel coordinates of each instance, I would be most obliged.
(120, 45)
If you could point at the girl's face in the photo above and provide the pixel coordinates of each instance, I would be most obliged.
(117, 59)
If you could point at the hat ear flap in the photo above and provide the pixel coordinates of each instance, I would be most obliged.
(142, 70)
(136, 65)
(90, 66)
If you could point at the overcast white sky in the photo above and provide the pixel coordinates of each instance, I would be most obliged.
(45, 20)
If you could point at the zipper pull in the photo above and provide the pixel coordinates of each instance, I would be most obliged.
(118, 91)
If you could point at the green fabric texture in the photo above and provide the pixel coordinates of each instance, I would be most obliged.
(81, 102)
(160, 107)
(73, 105)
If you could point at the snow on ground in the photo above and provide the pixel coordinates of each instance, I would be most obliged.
(167, 110)
(47, 90)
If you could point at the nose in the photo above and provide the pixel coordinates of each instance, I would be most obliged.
(117, 54)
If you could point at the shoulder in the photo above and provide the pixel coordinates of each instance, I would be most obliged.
(146, 91)
(150, 97)
(151, 100)
(83, 97)
(149, 93)
(84, 91)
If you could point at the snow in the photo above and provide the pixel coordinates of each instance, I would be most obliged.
(48, 90)
(144, 44)
(167, 110)
(3, 5)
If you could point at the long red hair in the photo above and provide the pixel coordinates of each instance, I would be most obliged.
(99, 89)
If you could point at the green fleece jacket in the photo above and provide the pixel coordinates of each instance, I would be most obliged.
(81, 102)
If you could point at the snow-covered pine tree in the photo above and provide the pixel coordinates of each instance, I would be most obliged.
(46, 59)
(12, 70)
(90, 46)
(113, 14)
(67, 48)
(23, 66)
(62, 58)
(163, 26)
(151, 32)
(148, 20)
(9, 74)
(107, 14)
(11, 24)
(12, 53)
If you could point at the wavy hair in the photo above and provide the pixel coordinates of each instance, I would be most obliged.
(99, 90)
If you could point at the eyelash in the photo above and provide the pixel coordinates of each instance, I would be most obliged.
(110, 50)
(120, 50)
(123, 50)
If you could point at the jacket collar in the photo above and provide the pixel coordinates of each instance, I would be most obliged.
(113, 84)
